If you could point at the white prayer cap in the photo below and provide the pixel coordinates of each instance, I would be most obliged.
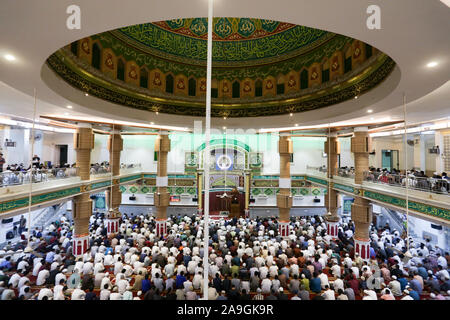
(432, 295)
(394, 277)
(406, 291)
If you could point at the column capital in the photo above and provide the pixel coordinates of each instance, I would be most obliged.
(84, 125)
(361, 129)
(332, 134)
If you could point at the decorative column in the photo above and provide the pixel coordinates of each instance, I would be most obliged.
(199, 192)
(332, 149)
(247, 193)
(284, 198)
(82, 204)
(162, 147)
(361, 208)
(360, 146)
(113, 194)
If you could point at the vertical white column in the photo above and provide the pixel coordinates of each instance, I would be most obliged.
(439, 141)
(207, 152)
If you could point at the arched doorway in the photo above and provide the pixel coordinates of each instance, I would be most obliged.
(228, 167)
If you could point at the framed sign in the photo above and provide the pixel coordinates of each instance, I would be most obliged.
(256, 159)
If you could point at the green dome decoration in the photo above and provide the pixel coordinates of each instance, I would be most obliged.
(235, 39)
(260, 67)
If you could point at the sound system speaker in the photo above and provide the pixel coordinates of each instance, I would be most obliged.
(132, 197)
(252, 200)
(316, 200)
(436, 226)
(194, 199)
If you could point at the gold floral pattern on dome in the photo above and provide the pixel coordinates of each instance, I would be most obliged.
(131, 67)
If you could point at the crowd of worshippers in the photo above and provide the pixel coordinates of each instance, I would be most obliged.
(248, 259)
(414, 179)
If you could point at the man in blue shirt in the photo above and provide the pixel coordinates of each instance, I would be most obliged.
(49, 257)
(6, 264)
(146, 284)
(315, 284)
(186, 260)
(403, 282)
(179, 281)
(422, 272)
(414, 294)
(416, 285)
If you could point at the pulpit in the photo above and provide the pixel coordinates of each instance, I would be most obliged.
(220, 202)
(235, 210)
(235, 207)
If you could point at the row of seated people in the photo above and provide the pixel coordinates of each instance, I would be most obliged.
(439, 183)
(247, 260)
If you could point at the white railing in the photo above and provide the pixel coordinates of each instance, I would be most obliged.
(12, 178)
(432, 185)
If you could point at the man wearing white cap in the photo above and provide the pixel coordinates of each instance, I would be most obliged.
(395, 287)
(329, 293)
(370, 295)
(45, 294)
(407, 296)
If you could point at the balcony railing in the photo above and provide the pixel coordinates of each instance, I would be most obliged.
(130, 168)
(345, 173)
(20, 177)
(322, 171)
(12, 178)
(441, 186)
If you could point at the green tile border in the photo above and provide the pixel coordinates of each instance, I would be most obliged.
(412, 205)
(317, 180)
(40, 198)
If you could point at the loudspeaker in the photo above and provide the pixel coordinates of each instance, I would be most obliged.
(435, 226)
(195, 199)
(132, 197)
(316, 200)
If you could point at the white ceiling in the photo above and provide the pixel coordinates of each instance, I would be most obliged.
(413, 33)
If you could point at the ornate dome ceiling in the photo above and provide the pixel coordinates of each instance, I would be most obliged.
(235, 39)
(260, 67)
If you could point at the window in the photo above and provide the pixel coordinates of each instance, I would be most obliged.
(325, 75)
(169, 83)
(258, 88)
(120, 70)
(192, 87)
(280, 88)
(304, 79)
(214, 92)
(96, 53)
(236, 89)
(74, 48)
(143, 81)
(348, 64)
(369, 51)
